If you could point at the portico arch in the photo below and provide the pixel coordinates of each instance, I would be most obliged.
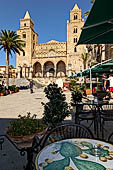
(49, 70)
(61, 69)
(37, 70)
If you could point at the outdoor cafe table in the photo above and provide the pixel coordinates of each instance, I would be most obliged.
(76, 154)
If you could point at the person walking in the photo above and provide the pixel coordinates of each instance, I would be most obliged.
(110, 85)
(31, 86)
(104, 82)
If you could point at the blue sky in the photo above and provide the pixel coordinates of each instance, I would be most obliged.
(49, 16)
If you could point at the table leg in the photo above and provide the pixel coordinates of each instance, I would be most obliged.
(29, 165)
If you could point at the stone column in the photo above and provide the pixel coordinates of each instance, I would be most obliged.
(19, 71)
(31, 72)
(55, 72)
(23, 72)
(42, 68)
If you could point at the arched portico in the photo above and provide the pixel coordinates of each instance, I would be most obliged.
(61, 69)
(48, 69)
(37, 70)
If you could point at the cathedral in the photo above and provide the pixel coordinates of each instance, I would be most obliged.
(52, 59)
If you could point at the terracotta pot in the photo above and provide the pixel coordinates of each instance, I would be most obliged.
(25, 141)
(88, 91)
(11, 92)
(1, 94)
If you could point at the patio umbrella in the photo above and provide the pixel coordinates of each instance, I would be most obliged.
(99, 69)
(98, 28)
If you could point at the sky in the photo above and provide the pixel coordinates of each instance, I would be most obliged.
(49, 17)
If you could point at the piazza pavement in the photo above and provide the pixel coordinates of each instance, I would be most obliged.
(10, 107)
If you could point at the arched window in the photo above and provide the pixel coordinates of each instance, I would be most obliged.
(24, 35)
(75, 40)
(75, 17)
(75, 30)
(75, 49)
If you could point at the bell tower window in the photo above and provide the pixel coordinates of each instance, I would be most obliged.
(75, 49)
(33, 37)
(24, 24)
(75, 30)
(24, 35)
(75, 17)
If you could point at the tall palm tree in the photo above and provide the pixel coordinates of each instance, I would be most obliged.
(85, 57)
(10, 42)
(87, 13)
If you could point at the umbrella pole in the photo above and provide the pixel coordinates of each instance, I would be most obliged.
(90, 81)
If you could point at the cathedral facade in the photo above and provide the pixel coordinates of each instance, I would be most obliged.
(54, 58)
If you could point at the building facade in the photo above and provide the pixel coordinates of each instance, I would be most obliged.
(54, 58)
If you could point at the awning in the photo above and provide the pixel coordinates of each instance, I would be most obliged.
(98, 28)
(99, 70)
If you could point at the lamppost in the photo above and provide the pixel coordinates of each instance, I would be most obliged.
(90, 78)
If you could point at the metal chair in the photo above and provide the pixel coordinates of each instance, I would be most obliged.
(106, 114)
(86, 112)
(66, 131)
(110, 138)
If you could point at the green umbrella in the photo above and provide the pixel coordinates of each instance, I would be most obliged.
(109, 64)
(99, 70)
(98, 28)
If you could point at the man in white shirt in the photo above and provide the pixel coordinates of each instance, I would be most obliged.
(111, 85)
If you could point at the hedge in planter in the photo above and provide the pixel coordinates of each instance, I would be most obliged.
(56, 109)
(23, 129)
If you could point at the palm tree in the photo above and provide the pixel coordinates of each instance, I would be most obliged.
(87, 13)
(85, 57)
(10, 42)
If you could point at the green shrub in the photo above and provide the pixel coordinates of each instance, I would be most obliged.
(25, 125)
(56, 109)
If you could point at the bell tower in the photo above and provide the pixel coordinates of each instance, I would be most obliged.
(27, 34)
(73, 33)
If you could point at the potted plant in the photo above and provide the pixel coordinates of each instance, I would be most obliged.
(12, 89)
(76, 97)
(87, 91)
(2, 92)
(56, 109)
(22, 130)
(16, 89)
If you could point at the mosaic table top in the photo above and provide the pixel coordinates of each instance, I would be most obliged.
(76, 154)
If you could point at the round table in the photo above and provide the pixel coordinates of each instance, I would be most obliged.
(76, 154)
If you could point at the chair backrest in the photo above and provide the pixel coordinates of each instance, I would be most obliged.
(107, 107)
(66, 131)
(110, 138)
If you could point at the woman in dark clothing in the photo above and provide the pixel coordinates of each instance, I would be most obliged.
(31, 86)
